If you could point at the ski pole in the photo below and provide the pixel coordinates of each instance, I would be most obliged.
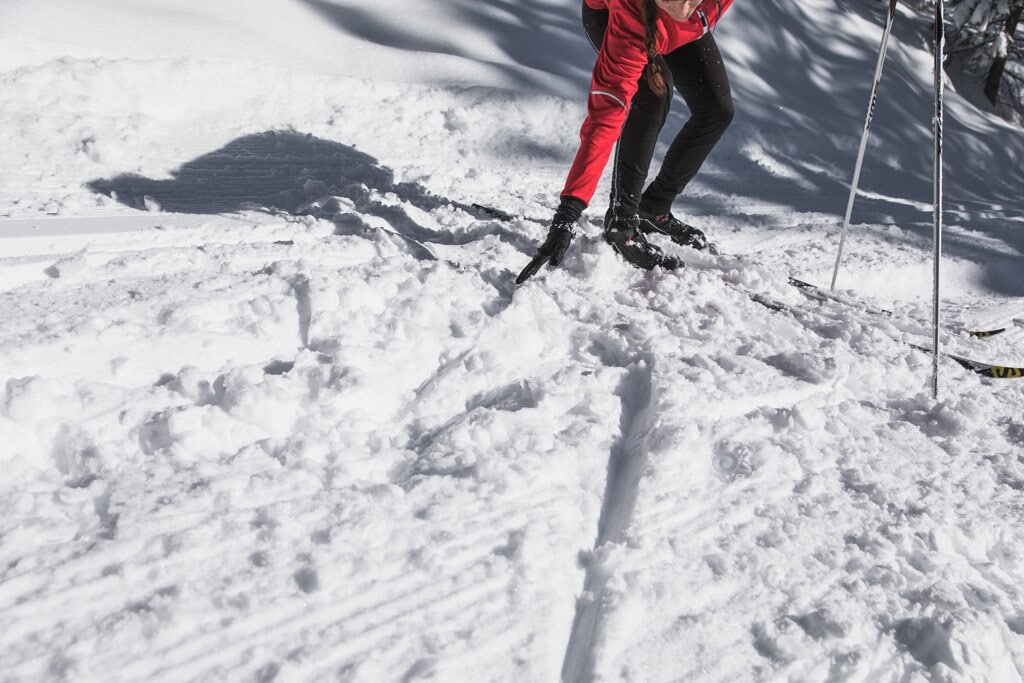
(940, 42)
(864, 136)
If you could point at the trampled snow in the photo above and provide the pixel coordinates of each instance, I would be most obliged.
(273, 409)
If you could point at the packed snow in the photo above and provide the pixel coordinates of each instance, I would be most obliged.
(273, 409)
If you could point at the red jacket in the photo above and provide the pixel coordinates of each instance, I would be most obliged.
(620, 64)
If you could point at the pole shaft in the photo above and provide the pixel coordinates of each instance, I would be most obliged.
(864, 136)
(940, 43)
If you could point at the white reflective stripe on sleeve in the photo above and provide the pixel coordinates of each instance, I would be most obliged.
(611, 95)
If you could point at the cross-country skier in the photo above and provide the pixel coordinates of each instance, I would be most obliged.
(644, 49)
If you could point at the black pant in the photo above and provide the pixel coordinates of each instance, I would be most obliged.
(697, 71)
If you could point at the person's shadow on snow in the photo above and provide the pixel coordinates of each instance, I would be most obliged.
(286, 171)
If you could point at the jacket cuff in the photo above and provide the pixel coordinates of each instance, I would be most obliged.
(570, 209)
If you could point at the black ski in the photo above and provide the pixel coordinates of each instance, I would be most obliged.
(977, 367)
(494, 213)
(821, 294)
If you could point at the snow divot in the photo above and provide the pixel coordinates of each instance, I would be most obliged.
(307, 580)
(279, 367)
(731, 460)
(304, 307)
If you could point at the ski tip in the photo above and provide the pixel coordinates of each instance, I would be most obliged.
(796, 282)
(493, 212)
(985, 334)
(1000, 372)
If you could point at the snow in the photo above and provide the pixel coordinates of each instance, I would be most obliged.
(273, 409)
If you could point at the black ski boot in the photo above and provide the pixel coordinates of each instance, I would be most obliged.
(625, 236)
(678, 231)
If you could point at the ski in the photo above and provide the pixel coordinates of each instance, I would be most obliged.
(977, 367)
(989, 370)
(504, 216)
(493, 212)
(820, 294)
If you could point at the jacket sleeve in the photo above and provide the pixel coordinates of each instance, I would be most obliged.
(620, 64)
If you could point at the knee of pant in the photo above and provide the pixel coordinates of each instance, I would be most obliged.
(724, 113)
(717, 116)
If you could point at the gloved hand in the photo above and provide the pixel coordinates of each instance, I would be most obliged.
(551, 251)
(560, 234)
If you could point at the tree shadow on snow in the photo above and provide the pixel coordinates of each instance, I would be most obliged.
(535, 34)
(286, 171)
(801, 91)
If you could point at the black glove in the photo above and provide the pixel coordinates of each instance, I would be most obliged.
(559, 237)
(560, 234)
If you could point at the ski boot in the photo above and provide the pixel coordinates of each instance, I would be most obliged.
(676, 230)
(626, 237)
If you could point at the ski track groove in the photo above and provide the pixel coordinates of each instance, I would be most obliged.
(418, 600)
(489, 651)
(499, 521)
(456, 602)
(488, 535)
(242, 632)
(65, 571)
(72, 593)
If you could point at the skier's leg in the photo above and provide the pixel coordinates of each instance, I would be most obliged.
(639, 135)
(633, 154)
(700, 77)
(635, 148)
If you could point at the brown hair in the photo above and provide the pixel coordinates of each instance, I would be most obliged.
(653, 71)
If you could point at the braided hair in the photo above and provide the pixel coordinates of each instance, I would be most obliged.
(653, 71)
